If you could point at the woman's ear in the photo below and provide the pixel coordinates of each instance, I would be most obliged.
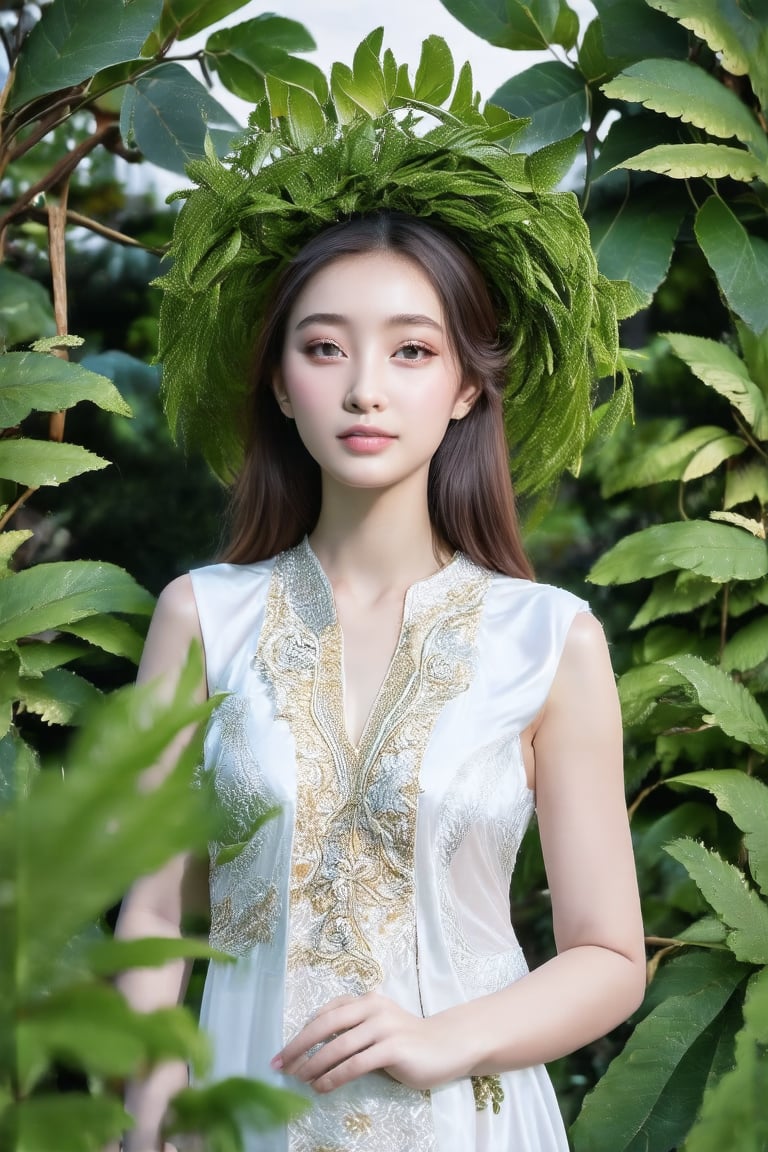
(468, 394)
(280, 394)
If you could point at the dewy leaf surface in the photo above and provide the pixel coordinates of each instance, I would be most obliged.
(745, 799)
(725, 888)
(669, 1052)
(75, 38)
(685, 91)
(729, 704)
(717, 551)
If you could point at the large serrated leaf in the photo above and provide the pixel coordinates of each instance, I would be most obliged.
(434, 75)
(554, 97)
(44, 462)
(167, 113)
(712, 455)
(735, 1102)
(55, 595)
(513, 24)
(671, 596)
(684, 161)
(654, 465)
(685, 91)
(717, 551)
(33, 382)
(721, 369)
(745, 799)
(632, 31)
(57, 697)
(725, 888)
(110, 634)
(634, 239)
(727, 702)
(76, 38)
(667, 1058)
(745, 484)
(739, 260)
(641, 688)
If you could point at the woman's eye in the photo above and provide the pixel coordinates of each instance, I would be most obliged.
(325, 350)
(414, 352)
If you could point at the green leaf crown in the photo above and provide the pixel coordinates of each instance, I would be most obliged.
(304, 165)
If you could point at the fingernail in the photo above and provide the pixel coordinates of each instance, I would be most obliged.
(276, 1062)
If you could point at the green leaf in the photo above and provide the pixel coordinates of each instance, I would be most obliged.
(651, 1090)
(725, 888)
(685, 91)
(98, 805)
(32, 382)
(739, 261)
(108, 957)
(745, 484)
(641, 688)
(92, 1027)
(38, 656)
(193, 16)
(76, 38)
(756, 527)
(634, 240)
(684, 161)
(44, 462)
(244, 55)
(633, 32)
(656, 464)
(511, 24)
(55, 595)
(635, 131)
(712, 455)
(70, 1122)
(745, 799)
(434, 75)
(594, 62)
(729, 704)
(305, 118)
(566, 30)
(735, 1103)
(721, 369)
(25, 309)
(110, 634)
(673, 594)
(57, 697)
(212, 1108)
(555, 98)
(754, 349)
(717, 551)
(747, 648)
(19, 763)
(167, 113)
(731, 30)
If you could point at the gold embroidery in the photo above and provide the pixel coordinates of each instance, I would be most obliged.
(488, 1090)
(357, 1122)
(254, 924)
(352, 899)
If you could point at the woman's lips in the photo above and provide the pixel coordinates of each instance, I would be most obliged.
(364, 440)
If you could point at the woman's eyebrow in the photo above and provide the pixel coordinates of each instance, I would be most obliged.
(416, 320)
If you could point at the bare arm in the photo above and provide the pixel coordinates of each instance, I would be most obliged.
(598, 976)
(156, 904)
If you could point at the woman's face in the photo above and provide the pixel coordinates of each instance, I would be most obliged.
(367, 370)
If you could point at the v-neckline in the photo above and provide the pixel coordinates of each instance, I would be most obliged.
(339, 684)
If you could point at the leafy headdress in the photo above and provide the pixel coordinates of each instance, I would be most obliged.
(312, 159)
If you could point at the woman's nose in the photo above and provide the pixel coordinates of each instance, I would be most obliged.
(365, 393)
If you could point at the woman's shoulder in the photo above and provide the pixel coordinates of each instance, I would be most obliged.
(510, 594)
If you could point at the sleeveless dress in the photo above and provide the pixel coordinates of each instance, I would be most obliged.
(388, 864)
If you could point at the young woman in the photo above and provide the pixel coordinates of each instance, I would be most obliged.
(406, 695)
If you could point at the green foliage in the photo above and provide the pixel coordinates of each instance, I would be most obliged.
(675, 194)
(82, 833)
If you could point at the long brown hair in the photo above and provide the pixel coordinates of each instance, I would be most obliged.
(276, 498)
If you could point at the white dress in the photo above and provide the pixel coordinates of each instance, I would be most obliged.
(388, 865)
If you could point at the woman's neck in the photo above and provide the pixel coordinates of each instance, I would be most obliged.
(376, 541)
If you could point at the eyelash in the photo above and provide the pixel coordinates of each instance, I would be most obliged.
(313, 348)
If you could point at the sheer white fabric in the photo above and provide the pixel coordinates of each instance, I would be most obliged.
(388, 866)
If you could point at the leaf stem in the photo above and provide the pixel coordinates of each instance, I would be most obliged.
(11, 512)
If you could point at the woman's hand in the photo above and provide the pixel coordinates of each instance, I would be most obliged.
(361, 1034)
